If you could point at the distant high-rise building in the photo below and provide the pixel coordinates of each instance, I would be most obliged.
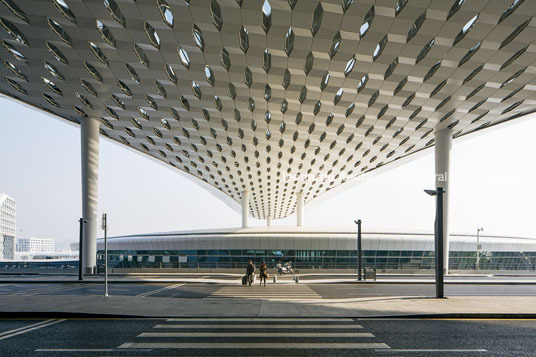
(8, 226)
(35, 245)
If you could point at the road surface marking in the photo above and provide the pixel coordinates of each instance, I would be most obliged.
(86, 350)
(433, 350)
(259, 326)
(29, 328)
(51, 289)
(24, 327)
(159, 290)
(281, 292)
(255, 334)
(301, 319)
(252, 345)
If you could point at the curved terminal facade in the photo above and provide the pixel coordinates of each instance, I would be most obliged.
(312, 249)
(270, 104)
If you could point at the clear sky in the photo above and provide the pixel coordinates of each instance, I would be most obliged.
(492, 177)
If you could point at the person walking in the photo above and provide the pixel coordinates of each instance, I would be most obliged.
(250, 271)
(263, 273)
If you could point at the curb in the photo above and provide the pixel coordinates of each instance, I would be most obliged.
(85, 315)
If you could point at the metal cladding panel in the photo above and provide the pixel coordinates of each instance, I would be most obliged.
(215, 242)
(281, 242)
(255, 242)
(204, 243)
(383, 244)
(405, 244)
(312, 241)
(315, 243)
(160, 242)
(179, 244)
(241, 243)
(323, 243)
(292, 243)
(191, 243)
(211, 244)
(374, 244)
(264, 242)
(167, 243)
(332, 243)
(223, 97)
(308, 241)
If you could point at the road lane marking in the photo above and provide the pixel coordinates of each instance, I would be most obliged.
(352, 288)
(50, 289)
(75, 350)
(24, 327)
(159, 290)
(255, 334)
(433, 350)
(87, 350)
(50, 323)
(59, 289)
(254, 345)
(263, 326)
(301, 319)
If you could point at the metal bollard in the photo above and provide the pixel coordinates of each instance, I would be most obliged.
(274, 278)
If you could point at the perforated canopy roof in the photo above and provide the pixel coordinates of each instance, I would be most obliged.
(275, 97)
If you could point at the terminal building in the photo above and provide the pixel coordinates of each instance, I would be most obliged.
(8, 226)
(313, 248)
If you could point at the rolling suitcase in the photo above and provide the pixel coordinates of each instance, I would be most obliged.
(245, 280)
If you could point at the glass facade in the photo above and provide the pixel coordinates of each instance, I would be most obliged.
(314, 259)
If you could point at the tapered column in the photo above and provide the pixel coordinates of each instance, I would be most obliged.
(245, 208)
(443, 144)
(299, 209)
(89, 130)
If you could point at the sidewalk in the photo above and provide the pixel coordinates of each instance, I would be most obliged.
(131, 306)
(234, 279)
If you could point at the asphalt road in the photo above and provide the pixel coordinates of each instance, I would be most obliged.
(289, 291)
(267, 337)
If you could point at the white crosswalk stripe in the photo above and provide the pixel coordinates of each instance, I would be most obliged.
(308, 334)
(275, 292)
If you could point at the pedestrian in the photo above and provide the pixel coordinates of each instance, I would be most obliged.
(250, 271)
(263, 273)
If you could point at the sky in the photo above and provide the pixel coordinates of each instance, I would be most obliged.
(492, 174)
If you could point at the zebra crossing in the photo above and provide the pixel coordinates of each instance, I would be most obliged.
(313, 336)
(272, 291)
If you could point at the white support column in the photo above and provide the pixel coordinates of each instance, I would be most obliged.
(89, 135)
(299, 209)
(245, 208)
(268, 220)
(443, 144)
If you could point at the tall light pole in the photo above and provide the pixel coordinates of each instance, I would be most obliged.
(80, 250)
(478, 247)
(438, 234)
(358, 222)
(105, 229)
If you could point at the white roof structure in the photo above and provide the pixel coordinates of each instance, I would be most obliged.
(256, 95)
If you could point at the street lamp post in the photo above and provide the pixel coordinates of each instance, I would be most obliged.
(105, 228)
(358, 222)
(80, 250)
(438, 234)
(478, 247)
